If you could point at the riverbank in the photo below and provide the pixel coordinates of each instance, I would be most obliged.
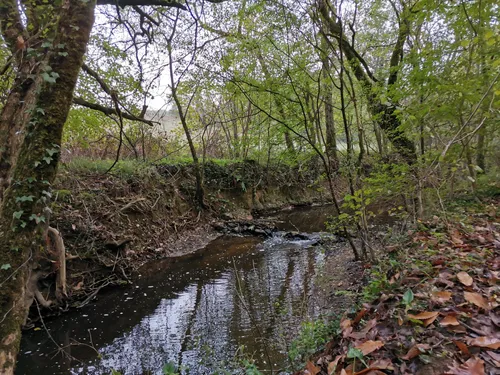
(112, 223)
(431, 306)
(200, 310)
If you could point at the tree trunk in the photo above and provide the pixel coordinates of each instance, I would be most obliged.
(384, 114)
(288, 138)
(200, 193)
(331, 139)
(481, 149)
(25, 203)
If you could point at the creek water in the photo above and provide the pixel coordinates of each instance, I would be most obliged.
(195, 312)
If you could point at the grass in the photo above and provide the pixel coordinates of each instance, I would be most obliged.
(127, 168)
(131, 167)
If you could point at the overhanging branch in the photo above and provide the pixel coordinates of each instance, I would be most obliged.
(108, 111)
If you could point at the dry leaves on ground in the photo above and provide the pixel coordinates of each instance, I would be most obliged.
(454, 323)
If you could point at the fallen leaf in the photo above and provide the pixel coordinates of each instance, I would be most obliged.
(441, 297)
(428, 322)
(424, 315)
(369, 371)
(370, 346)
(463, 348)
(311, 369)
(476, 299)
(449, 320)
(346, 326)
(359, 316)
(455, 238)
(382, 364)
(362, 334)
(474, 366)
(486, 342)
(416, 351)
(443, 281)
(457, 329)
(346, 323)
(400, 321)
(332, 366)
(464, 278)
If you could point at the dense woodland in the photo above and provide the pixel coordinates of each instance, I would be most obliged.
(398, 99)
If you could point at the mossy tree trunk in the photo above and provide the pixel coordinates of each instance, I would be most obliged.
(24, 213)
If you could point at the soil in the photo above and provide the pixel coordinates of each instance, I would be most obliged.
(340, 281)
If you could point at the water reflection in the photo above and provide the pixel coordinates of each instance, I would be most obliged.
(195, 313)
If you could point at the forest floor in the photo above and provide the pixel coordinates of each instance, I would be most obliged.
(433, 309)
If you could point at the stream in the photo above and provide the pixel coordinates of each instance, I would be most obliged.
(195, 312)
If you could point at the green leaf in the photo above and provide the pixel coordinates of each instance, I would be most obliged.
(52, 151)
(37, 219)
(169, 369)
(408, 297)
(25, 198)
(18, 214)
(48, 78)
(5, 266)
(354, 353)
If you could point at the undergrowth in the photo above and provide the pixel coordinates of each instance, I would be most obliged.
(312, 336)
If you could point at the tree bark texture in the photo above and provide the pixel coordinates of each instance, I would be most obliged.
(24, 211)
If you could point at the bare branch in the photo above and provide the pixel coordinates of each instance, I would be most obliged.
(124, 3)
(111, 111)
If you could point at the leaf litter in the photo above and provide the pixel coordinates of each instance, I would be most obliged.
(444, 321)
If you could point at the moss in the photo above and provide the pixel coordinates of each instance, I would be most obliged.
(62, 195)
(85, 195)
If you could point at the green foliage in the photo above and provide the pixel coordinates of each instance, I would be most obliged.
(408, 297)
(170, 369)
(356, 354)
(312, 335)
(378, 282)
(127, 168)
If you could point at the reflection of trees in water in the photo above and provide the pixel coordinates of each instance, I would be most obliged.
(275, 292)
(251, 303)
